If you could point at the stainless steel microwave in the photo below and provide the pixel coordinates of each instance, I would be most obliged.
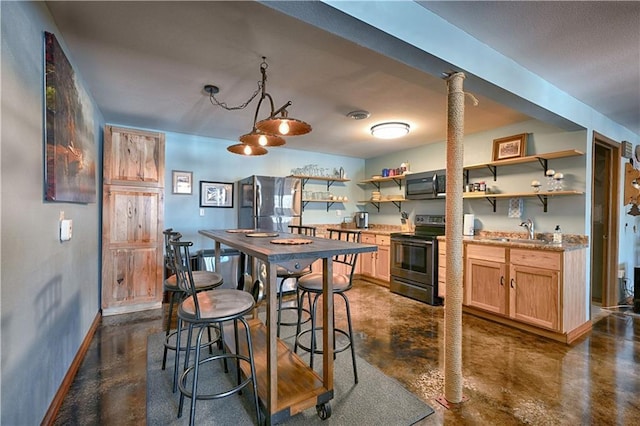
(425, 185)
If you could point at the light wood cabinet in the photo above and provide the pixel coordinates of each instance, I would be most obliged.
(543, 291)
(132, 220)
(376, 265)
(534, 288)
(383, 265)
(442, 268)
(367, 260)
(485, 271)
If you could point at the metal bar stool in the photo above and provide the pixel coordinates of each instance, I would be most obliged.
(204, 280)
(201, 309)
(342, 282)
(284, 274)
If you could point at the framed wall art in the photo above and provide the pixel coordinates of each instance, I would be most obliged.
(70, 143)
(182, 182)
(510, 147)
(216, 194)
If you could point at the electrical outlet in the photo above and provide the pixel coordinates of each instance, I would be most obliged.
(338, 212)
(201, 212)
(621, 273)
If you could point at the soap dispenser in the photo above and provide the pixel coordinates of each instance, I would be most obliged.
(557, 235)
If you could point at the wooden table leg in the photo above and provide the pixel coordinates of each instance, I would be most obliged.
(272, 341)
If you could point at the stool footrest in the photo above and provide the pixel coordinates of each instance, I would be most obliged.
(337, 350)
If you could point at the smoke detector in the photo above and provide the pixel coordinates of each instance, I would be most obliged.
(359, 115)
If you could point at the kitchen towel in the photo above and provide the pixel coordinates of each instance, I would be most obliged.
(515, 208)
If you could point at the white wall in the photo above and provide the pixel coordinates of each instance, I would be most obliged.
(49, 289)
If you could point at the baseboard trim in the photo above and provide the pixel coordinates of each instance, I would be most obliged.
(56, 403)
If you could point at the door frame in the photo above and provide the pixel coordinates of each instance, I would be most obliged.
(610, 292)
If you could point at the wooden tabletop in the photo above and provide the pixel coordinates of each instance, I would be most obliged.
(262, 248)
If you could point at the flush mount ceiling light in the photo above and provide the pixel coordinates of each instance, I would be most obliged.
(390, 130)
(266, 132)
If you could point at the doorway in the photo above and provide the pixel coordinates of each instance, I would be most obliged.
(604, 221)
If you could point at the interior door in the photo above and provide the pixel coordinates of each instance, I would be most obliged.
(132, 219)
(604, 221)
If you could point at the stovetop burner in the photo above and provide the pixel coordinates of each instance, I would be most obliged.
(427, 227)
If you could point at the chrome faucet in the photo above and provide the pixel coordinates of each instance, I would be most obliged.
(529, 225)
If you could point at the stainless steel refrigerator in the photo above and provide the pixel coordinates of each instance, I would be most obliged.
(269, 203)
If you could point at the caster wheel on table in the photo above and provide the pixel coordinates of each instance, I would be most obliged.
(324, 410)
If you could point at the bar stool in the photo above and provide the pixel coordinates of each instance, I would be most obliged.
(285, 274)
(342, 282)
(201, 309)
(204, 280)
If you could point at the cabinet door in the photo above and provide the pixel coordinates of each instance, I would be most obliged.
(534, 296)
(132, 247)
(133, 157)
(442, 268)
(486, 285)
(367, 260)
(383, 270)
(383, 260)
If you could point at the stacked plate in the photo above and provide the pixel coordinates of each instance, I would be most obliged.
(375, 196)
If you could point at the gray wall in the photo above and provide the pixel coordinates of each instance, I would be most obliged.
(49, 289)
(209, 160)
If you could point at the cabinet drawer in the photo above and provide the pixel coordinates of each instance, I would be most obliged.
(383, 240)
(536, 258)
(485, 252)
(368, 239)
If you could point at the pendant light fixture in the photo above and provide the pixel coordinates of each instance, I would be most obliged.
(269, 131)
(245, 149)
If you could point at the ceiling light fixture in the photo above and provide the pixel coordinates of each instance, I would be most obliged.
(267, 132)
(391, 130)
(359, 114)
(245, 149)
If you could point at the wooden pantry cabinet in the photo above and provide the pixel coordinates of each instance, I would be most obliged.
(132, 220)
(543, 291)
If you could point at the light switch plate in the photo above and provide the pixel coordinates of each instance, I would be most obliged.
(65, 229)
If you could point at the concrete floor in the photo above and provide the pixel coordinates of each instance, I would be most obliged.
(509, 377)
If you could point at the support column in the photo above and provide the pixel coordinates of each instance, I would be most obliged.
(453, 234)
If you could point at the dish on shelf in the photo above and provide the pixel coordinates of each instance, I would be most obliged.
(376, 177)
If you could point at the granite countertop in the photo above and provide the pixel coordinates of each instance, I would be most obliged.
(542, 241)
(373, 229)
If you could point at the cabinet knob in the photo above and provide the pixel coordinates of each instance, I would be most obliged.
(512, 283)
(502, 281)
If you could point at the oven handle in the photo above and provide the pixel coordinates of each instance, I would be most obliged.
(413, 243)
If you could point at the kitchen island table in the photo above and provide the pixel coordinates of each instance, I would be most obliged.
(286, 385)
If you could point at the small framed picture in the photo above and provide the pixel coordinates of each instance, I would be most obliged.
(510, 147)
(216, 194)
(182, 182)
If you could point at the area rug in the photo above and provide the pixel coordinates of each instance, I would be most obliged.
(375, 400)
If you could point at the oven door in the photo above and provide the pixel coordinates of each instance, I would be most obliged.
(413, 259)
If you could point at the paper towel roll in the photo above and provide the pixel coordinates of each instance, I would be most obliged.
(468, 224)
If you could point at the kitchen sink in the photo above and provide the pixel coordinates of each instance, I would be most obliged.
(519, 241)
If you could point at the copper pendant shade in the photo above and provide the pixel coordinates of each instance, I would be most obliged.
(247, 150)
(284, 126)
(267, 132)
(258, 138)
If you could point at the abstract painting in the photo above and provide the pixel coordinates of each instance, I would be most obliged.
(70, 152)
